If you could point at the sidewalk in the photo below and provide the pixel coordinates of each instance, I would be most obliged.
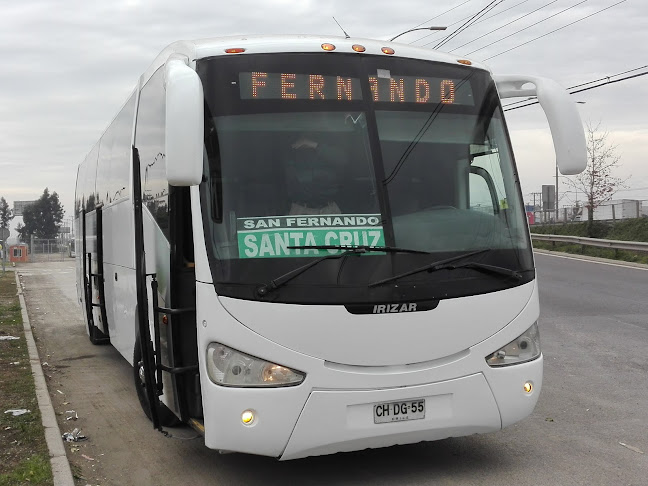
(60, 466)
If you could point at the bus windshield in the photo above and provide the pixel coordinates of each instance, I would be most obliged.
(307, 153)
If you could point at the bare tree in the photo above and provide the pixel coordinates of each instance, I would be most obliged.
(597, 181)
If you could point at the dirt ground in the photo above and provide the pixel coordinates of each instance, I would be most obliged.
(91, 382)
(589, 408)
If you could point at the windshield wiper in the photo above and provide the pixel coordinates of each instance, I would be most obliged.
(492, 269)
(360, 248)
(431, 267)
(263, 289)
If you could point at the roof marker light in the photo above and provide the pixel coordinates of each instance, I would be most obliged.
(464, 61)
(388, 50)
(328, 47)
(358, 48)
(235, 50)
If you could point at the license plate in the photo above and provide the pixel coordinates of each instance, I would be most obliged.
(399, 411)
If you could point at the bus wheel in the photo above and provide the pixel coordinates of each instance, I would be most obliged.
(167, 417)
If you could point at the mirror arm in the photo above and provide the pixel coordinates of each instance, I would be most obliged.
(563, 117)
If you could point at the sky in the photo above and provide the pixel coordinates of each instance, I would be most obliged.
(69, 65)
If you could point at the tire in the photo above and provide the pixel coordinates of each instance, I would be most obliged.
(166, 417)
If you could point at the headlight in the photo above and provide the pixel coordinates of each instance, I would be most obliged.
(525, 348)
(229, 367)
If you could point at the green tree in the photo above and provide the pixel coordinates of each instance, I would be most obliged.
(6, 214)
(43, 218)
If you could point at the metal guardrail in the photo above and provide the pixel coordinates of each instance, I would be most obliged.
(580, 240)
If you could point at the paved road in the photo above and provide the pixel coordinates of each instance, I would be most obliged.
(594, 329)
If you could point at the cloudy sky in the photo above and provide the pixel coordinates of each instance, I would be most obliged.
(68, 66)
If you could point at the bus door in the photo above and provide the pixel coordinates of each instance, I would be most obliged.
(166, 289)
(92, 267)
(182, 339)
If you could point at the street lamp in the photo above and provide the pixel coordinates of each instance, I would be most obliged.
(418, 28)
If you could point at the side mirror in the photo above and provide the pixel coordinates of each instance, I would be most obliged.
(563, 117)
(184, 133)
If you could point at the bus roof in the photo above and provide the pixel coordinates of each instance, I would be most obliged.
(258, 44)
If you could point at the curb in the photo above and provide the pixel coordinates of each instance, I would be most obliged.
(61, 471)
(576, 256)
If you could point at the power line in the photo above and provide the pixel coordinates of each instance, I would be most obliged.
(470, 22)
(608, 77)
(584, 84)
(437, 16)
(465, 18)
(484, 10)
(505, 25)
(556, 30)
(528, 27)
(583, 89)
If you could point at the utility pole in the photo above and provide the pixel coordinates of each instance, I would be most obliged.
(557, 192)
(4, 234)
(535, 204)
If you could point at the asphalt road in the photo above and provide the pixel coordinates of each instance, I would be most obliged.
(594, 331)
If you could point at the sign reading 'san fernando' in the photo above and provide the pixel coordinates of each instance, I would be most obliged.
(270, 237)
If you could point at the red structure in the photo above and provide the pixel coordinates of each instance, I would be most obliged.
(18, 253)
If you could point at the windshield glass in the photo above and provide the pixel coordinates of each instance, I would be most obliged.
(312, 150)
(295, 179)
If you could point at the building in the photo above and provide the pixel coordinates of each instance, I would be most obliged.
(617, 209)
(18, 253)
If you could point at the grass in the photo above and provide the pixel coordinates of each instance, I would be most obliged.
(24, 457)
(34, 470)
(627, 230)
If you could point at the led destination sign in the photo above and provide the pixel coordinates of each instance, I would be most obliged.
(384, 88)
(419, 89)
(290, 86)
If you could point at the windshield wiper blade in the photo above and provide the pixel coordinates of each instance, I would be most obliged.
(429, 267)
(262, 290)
(360, 248)
(492, 269)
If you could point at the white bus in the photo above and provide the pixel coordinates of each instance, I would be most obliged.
(308, 245)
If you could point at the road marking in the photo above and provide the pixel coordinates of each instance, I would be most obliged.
(593, 261)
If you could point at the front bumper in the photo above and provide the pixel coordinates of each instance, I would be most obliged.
(294, 422)
(340, 421)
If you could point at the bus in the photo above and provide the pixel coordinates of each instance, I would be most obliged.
(307, 245)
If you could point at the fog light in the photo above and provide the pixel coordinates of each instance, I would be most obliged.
(528, 387)
(247, 417)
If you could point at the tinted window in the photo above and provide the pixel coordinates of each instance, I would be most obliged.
(90, 175)
(150, 144)
(296, 167)
(103, 166)
(121, 152)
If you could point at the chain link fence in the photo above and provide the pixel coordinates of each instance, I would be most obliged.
(54, 250)
(610, 211)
